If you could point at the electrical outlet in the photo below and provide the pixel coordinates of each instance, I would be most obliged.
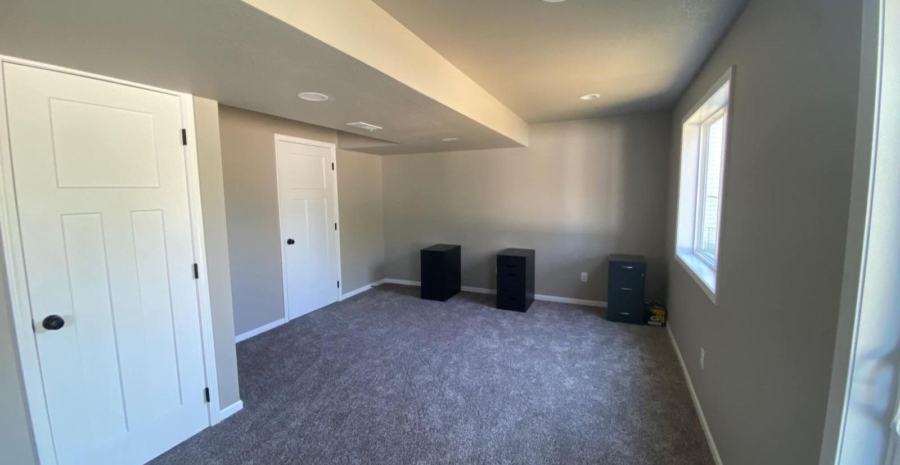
(584, 276)
(702, 357)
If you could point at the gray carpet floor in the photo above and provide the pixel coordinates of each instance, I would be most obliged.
(387, 378)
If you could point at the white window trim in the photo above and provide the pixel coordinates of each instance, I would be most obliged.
(721, 113)
(699, 268)
(703, 275)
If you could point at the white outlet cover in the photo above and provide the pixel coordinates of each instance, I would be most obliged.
(584, 277)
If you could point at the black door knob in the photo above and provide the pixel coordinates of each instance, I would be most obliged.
(290, 242)
(54, 322)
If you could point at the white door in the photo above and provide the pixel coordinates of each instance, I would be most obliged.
(101, 185)
(307, 200)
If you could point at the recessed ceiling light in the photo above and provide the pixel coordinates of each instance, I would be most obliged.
(448, 139)
(313, 96)
(590, 97)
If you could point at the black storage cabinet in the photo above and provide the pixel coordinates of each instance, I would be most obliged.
(626, 289)
(515, 279)
(441, 276)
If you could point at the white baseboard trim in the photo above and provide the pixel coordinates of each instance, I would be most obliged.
(401, 282)
(231, 410)
(258, 331)
(687, 377)
(481, 290)
(277, 323)
(361, 290)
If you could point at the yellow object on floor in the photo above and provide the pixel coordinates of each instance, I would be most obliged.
(656, 314)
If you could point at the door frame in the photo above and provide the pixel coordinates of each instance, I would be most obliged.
(859, 253)
(25, 336)
(333, 149)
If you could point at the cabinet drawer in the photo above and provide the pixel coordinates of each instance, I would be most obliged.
(622, 277)
(440, 271)
(625, 288)
(511, 276)
(626, 317)
(630, 287)
(511, 302)
(625, 267)
(626, 305)
(432, 261)
(515, 279)
(510, 263)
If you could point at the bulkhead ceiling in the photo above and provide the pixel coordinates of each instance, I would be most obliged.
(538, 57)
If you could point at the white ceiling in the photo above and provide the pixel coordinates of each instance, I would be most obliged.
(537, 58)
(232, 52)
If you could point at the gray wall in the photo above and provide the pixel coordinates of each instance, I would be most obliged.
(16, 439)
(251, 201)
(212, 194)
(362, 219)
(769, 343)
(581, 191)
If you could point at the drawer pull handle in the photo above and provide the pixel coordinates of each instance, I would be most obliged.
(628, 267)
(626, 288)
(623, 313)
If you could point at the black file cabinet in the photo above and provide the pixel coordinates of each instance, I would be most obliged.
(626, 289)
(515, 279)
(441, 276)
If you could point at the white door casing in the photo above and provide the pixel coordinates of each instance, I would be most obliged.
(106, 217)
(308, 212)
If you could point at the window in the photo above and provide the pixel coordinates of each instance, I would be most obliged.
(703, 154)
(712, 143)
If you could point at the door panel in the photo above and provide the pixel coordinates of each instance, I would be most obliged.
(157, 320)
(294, 224)
(307, 199)
(124, 158)
(101, 186)
(318, 250)
(92, 322)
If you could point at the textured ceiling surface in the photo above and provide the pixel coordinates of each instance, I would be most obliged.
(537, 58)
(534, 57)
(229, 51)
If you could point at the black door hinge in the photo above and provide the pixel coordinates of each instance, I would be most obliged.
(332, 167)
(339, 284)
(206, 394)
(196, 271)
(335, 226)
(184, 137)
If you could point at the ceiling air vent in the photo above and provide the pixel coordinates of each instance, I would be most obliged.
(366, 126)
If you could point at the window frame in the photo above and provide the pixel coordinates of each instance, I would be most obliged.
(700, 215)
(716, 102)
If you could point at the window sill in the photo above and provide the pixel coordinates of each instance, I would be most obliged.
(700, 271)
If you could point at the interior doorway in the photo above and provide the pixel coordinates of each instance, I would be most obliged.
(308, 212)
(103, 240)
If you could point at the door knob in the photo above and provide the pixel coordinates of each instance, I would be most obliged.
(290, 242)
(53, 322)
